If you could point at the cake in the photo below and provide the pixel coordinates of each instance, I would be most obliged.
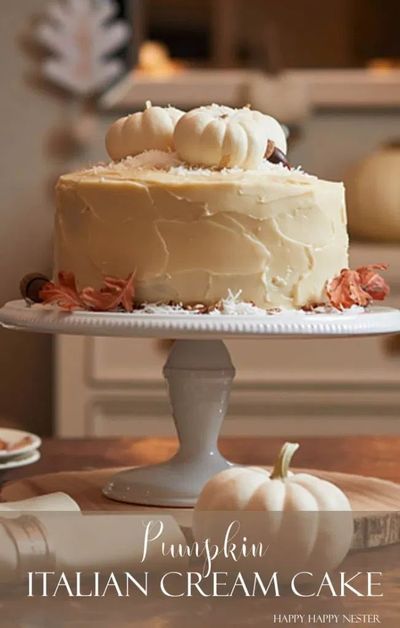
(201, 210)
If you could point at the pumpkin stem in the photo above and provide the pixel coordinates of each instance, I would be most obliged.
(281, 468)
(148, 104)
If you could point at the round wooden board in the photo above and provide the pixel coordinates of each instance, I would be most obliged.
(375, 502)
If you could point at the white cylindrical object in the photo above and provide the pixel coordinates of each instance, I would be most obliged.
(87, 543)
(54, 502)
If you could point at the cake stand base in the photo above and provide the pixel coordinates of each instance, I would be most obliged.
(199, 375)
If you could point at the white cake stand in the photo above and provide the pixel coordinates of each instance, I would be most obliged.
(199, 373)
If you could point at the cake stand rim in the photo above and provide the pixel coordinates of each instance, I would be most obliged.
(376, 320)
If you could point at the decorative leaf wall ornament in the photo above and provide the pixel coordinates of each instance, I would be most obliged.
(82, 36)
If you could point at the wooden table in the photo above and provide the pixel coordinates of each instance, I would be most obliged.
(377, 456)
(370, 456)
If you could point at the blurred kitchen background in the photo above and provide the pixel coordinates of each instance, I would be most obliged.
(330, 71)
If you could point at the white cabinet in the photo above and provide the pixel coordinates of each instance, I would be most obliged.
(114, 386)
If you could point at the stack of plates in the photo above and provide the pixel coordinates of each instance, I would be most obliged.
(21, 456)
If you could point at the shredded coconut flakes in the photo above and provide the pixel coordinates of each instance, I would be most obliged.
(233, 306)
(170, 163)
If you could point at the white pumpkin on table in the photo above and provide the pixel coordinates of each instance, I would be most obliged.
(305, 522)
(222, 137)
(150, 129)
(373, 195)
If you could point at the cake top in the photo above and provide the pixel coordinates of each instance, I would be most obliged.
(213, 137)
(211, 143)
(157, 165)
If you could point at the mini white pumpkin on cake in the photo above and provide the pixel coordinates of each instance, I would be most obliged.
(152, 128)
(221, 137)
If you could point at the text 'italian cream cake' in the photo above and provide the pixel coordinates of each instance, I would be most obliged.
(194, 206)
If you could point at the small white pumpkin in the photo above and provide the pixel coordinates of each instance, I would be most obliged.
(152, 128)
(305, 522)
(222, 137)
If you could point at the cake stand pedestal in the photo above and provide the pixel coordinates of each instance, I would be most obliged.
(199, 373)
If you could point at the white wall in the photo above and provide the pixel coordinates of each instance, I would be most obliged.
(331, 142)
(26, 218)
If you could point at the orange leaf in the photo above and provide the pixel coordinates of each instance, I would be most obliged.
(64, 293)
(99, 300)
(372, 282)
(357, 287)
(345, 290)
(125, 288)
(113, 294)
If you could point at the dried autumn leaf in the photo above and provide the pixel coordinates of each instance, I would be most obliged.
(64, 293)
(126, 288)
(357, 287)
(99, 300)
(115, 293)
(345, 290)
(372, 282)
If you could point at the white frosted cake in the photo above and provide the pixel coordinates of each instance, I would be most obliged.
(194, 207)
